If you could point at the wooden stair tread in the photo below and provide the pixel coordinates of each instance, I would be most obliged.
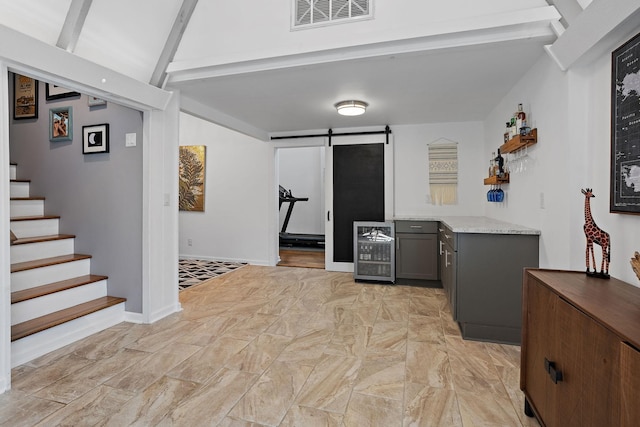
(50, 288)
(34, 218)
(45, 262)
(39, 239)
(42, 323)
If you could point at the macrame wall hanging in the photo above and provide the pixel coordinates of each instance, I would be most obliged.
(443, 171)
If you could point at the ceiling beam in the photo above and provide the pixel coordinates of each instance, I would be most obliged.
(588, 32)
(73, 24)
(173, 41)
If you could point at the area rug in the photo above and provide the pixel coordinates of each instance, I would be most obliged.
(193, 271)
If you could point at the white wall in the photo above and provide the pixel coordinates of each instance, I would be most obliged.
(262, 30)
(235, 222)
(239, 198)
(572, 113)
(412, 172)
(301, 170)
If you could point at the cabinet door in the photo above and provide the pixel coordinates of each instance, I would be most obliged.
(538, 344)
(417, 256)
(588, 357)
(629, 386)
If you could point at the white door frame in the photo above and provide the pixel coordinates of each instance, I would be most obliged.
(274, 223)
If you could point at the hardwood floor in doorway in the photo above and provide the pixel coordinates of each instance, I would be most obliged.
(301, 258)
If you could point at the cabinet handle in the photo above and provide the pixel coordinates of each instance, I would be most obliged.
(447, 236)
(446, 258)
(416, 226)
(441, 243)
(550, 367)
(441, 230)
(328, 216)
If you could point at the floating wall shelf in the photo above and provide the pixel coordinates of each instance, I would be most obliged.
(519, 142)
(495, 180)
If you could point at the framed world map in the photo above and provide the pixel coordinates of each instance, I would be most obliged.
(625, 128)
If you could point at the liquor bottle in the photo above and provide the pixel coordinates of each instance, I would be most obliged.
(520, 119)
(499, 165)
(492, 165)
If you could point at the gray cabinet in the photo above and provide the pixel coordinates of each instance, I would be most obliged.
(416, 251)
(482, 277)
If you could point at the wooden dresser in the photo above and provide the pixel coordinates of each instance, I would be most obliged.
(580, 349)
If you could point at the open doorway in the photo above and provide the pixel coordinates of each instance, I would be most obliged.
(300, 176)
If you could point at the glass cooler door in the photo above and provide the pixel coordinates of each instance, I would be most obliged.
(374, 251)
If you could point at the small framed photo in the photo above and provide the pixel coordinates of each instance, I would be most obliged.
(58, 92)
(61, 124)
(95, 139)
(93, 101)
(25, 97)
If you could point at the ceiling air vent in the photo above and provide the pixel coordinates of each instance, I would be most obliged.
(319, 12)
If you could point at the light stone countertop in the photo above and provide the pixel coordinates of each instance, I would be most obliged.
(475, 224)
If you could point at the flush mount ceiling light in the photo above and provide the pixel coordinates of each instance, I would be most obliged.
(351, 108)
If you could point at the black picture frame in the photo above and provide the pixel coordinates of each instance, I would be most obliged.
(53, 92)
(25, 97)
(625, 128)
(95, 139)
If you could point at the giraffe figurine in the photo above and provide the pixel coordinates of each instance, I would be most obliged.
(595, 235)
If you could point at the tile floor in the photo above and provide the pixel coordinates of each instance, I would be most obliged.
(277, 346)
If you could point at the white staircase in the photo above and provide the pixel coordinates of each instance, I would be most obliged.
(55, 300)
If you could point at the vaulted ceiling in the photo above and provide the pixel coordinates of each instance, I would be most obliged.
(449, 70)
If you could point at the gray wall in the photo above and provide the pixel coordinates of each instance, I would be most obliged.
(98, 196)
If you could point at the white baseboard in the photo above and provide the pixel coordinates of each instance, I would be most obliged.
(133, 317)
(225, 259)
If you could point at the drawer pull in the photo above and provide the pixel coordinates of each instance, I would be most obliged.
(441, 244)
(416, 226)
(550, 367)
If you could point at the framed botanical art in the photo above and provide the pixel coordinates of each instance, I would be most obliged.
(25, 97)
(625, 128)
(61, 124)
(95, 139)
(58, 92)
(191, 178)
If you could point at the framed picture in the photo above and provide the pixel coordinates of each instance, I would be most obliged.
(95, 139)
(25, 97)
(58, 92)
(625, 128)
(191, 178)
(61, 124)
(93, 101)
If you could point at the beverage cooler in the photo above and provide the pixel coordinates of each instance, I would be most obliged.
(374, 251)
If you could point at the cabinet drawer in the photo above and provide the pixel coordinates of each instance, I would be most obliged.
(417, 227)
(447, 236)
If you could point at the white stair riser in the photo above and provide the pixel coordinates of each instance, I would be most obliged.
(41, 306)
(12, 172)
(26, 207)
(40, 250)
(35, 228)
(54, 273)
(19, 189)
(36, 345)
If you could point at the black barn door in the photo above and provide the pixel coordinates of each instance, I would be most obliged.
(358, 192)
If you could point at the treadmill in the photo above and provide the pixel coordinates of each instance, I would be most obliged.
(296, 239)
